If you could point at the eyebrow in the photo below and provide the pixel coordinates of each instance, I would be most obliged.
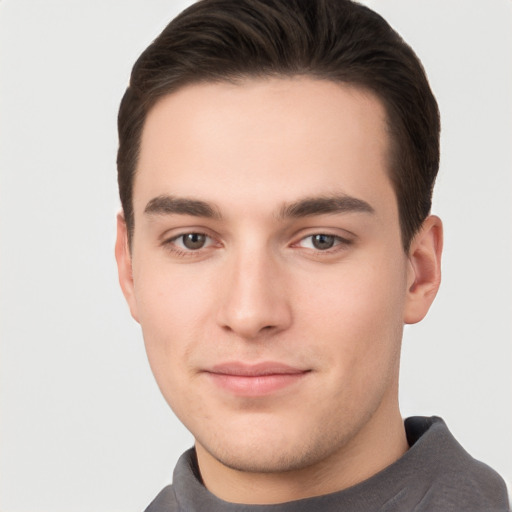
(168, 205)
(311, 206)
(306, 207)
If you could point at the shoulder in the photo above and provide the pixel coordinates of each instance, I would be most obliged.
(458, 481)
(165, 501)
(470, 485)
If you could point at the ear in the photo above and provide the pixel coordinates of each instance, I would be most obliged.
(124, 265)
(424, 272)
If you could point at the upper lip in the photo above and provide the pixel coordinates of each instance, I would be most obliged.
(254, 370)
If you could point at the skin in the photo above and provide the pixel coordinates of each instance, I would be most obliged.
(259, 289)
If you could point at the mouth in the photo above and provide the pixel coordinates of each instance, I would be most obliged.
(252, 380)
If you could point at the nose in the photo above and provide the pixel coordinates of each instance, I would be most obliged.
(254, 302)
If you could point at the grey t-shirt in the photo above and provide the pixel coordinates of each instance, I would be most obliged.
(434, 475)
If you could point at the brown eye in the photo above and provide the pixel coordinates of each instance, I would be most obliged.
(194, 241)
(323, 242)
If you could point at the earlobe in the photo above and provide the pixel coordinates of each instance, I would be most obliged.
(124, 265)
(424, 274)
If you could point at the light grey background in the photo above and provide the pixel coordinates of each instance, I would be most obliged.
(83, 426)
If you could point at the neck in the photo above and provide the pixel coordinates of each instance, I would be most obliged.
(378, 444)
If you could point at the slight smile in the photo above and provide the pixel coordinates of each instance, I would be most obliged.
(252, 380)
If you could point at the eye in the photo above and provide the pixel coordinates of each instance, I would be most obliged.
(322, 241)
(191, 241)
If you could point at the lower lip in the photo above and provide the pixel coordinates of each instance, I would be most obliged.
(255, 385)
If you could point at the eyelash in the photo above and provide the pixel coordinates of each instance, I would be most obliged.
(340, 244)
(170, 244)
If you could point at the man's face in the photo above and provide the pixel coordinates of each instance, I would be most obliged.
(268, 271)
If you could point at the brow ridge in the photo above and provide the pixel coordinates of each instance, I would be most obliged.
(322, 205)
(306, 207)
(169, 205)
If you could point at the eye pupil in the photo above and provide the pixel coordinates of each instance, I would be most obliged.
(323, 242)
(194, 240)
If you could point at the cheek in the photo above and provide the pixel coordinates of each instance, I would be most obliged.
(170, 298)
(175, 313)
(357, 315)
(173, 308)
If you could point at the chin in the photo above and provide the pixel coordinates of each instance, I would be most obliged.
(271, 452)
(267, 460)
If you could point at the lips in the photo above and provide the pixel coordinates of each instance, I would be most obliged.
(254, 380)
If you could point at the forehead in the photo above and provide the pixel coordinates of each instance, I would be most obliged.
(263, 139)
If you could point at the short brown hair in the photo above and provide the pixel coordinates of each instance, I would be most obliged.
(336, 40)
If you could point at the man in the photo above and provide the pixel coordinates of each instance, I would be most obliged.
(276, 166)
